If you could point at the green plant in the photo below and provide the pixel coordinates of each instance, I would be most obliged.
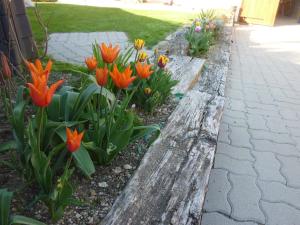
(207, 15)
(154, 91)
(6, 218)
(203, 32)
(199, 42)
(40, 142)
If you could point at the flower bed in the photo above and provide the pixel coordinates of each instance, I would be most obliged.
(203, 32)
(64, 134)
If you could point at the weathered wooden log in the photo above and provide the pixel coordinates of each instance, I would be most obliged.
(186, 70)
(170, 184)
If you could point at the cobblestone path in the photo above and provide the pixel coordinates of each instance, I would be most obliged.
(256, 175)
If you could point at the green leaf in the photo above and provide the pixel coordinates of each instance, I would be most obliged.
(20, 94)
(54, 108)
(83, 100)
(121, 133)
(18, 123)
(5, 200)
(84, 161)
(25, 220)
(8, 146)
(150, 132)
(68, 101)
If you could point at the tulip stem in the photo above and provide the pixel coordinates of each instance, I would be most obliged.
(136, 55)
(111, 115)
(128, 99)
(40, 125)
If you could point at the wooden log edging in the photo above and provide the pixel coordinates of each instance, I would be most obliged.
(186, 70)
(170, 184)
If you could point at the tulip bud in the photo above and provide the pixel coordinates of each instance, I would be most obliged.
(147, 91)
(142, 56)
(91, 63)
(139, 44)
(162, 61)
(6, 71)
(197, 29)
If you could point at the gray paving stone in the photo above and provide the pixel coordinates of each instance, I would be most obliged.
(277, 192)
(257, 105)
(272, 114)
(219, 219)
(218, 188)
(224, 133)
(289, 114)
(271, 136)
(74, 47)
(294, 131)
(244, 198)
(277, 126)
(233, 165)
(268, 167)
(234, 152)
(256, 122)
(281, 214)
(235, 114)
(291, 170)
(237, 105)
(239, 136)
(282, 149)
(234, 121)
(292, 123)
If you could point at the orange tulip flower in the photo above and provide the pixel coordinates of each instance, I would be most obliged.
(101, 76)
(143, 70)
(109, 53)
(91, 63)
(40, 93)
(5, 66)
(37, 68)
(122, 79)
(73, 140)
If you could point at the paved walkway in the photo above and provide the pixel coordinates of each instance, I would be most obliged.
(75, 47)
(256, 175)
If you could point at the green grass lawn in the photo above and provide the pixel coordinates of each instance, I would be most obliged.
(152, 26)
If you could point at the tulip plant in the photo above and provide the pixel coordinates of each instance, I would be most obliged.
(58, 128)
(156, 82)
(203, 32)
(44, 147)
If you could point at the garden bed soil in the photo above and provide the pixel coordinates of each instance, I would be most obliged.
(98, 193)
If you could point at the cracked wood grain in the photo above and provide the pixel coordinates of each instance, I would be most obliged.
(170, 184)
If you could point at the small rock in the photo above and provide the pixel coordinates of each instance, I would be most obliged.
(103, 184)
(93, 192)
(90, 220)
(117, 170)
(127, 167)
(77, 215)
